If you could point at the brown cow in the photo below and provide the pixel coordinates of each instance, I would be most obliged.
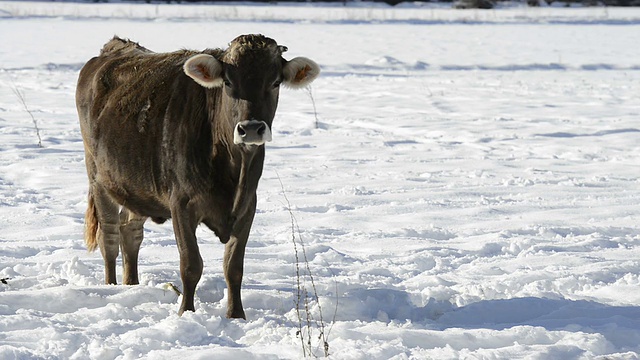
(180, 135)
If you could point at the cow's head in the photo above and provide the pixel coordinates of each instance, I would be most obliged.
(251, 71)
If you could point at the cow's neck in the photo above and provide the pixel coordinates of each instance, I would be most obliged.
(244, 163)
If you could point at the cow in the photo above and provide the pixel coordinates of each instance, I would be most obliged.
(180, 136)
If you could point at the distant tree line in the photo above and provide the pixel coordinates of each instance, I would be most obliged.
(489, 4)
(457, 4)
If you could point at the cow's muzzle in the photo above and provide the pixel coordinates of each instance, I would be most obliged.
(251, 132)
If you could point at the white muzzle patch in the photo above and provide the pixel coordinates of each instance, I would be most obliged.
(251, 132)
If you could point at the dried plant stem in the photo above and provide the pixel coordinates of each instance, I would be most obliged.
(303, 296)
(20, 95)
(313, 102)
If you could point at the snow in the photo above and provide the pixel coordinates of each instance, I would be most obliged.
(469, 189)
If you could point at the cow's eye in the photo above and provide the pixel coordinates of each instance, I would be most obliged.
(226, 81)
(277, 83)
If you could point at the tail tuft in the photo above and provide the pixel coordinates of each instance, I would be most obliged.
(91, 225)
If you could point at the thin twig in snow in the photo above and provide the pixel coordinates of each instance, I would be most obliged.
(313, 101)
(302, 292)
(22, 99)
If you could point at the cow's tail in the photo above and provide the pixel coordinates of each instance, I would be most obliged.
(91, 225)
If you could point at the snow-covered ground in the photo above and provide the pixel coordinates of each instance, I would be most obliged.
(470, 189)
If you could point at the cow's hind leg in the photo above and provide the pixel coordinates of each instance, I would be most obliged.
(131, 233)
(108, 231)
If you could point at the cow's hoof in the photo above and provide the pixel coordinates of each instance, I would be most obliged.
(236, 315)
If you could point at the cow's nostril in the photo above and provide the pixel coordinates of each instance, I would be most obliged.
(262, 129)
(251, 132)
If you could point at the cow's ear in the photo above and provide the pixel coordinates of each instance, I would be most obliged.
(205, 69)
(300, 72)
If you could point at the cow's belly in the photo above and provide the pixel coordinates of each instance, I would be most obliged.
(140, 197)
(147, 207)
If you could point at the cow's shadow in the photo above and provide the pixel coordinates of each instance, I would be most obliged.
(620, 325)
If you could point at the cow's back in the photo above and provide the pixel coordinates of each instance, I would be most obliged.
(127, 78)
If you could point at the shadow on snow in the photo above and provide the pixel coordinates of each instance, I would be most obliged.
(620, 325)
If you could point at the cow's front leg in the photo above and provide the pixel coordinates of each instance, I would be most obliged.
(234, 262)
(184, 227)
